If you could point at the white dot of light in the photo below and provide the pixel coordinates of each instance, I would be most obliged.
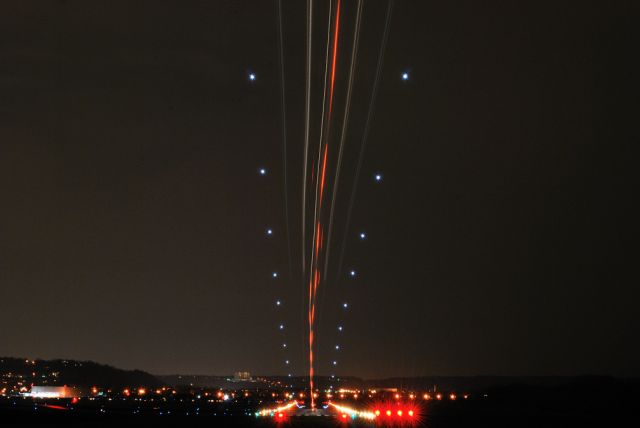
(262, 171)
(252, 76)
(274, 274)
(352, 273)
(281, 326)
(345, 305)
(363, 235)
(405, 76)
(278, 302)
(269, 232)
(339, 328)
(378, 177)
(337, 347)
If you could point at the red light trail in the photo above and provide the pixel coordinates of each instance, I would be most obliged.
(315, 277)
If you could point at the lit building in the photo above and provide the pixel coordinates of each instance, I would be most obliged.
(241, 376)
(53, 392)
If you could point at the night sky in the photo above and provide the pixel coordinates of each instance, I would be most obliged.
(501, 240)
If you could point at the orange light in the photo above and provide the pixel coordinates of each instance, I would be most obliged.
(126, 392)
(439, 396)
(412, 396)
(142, 391)
(388, 412)
(400, 413)
(377, 412)
(410, 413)
(397, 396)
(452, 396)
(427, 397)
(94, 390)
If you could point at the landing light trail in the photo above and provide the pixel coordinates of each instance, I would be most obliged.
(314, 280)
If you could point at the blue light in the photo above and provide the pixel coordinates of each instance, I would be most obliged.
(252, 76)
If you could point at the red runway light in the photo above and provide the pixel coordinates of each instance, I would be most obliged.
(411, 413)
(281, 415)
(400, 413)
(344, 416)
(388, 412)
(377, 412)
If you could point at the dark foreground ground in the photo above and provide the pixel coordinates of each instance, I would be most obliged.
(606, 405)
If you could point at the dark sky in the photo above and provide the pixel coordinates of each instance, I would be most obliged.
(503, 239)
